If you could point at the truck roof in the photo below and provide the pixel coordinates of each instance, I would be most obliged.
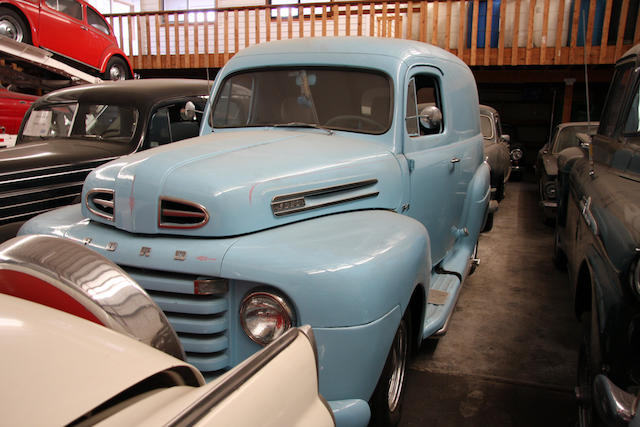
(398, 49)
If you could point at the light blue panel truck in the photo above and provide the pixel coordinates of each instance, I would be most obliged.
(337, 182)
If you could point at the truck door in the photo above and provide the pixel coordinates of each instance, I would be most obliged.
(433, 162)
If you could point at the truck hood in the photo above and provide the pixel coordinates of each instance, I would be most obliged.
(236, 182)
(36, 155)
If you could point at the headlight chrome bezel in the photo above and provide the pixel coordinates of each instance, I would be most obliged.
(267, 300)
(550, 190)
(516, 154)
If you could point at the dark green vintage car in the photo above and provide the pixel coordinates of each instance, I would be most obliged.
(598, 236)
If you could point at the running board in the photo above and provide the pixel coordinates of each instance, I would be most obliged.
(441, 301)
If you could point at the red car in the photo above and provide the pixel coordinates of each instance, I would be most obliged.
(13, 106)
(70, 28)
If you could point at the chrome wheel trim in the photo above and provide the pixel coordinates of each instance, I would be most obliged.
(9, 27)
(398, 365)
(116, 72)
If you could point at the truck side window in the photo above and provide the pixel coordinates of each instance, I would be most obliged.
(615, 100)
(632, 127)
(422, 93)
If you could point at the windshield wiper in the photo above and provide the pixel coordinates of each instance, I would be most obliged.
(303, 125)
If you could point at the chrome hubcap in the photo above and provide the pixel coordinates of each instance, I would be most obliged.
(398, 363)
(116, 73)
(10, 28)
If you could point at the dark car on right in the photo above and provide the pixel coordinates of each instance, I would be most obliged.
(570, 134)
(598, 235)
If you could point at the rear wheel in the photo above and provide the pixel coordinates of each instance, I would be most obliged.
(13, 26)
(117, 69)
(386, 401)
(589, 365)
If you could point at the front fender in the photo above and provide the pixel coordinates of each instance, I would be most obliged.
(110, 53)
(339, 270)
(477, 202)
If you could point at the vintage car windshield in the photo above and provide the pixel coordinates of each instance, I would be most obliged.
(567, 136)
(102, 122)
(342, 99)
(486, 125)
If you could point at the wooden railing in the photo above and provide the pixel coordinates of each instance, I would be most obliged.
(547, 32)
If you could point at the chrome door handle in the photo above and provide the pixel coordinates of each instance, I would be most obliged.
(455, 160)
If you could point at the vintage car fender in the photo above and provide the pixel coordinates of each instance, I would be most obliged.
(29, 11)
(65, 275)
(374, 260)
(111, 53)
(566, 160)
(475, 210)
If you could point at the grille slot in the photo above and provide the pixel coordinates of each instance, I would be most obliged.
(101, 202)
(176, 213)
(201, 321)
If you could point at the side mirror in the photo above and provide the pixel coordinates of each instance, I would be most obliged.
(189, 111)
(584, 140)
(431, 118)
(506, 138)
(615, 406)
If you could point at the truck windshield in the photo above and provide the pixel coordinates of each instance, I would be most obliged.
(85, 121)
(340, 99)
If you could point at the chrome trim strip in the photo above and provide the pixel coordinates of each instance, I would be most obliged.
(230, 384)
(298, 200)
(325, 190)
(67, 165)
(205, 217)
(324, 205)
(100, 286)
(108, 217)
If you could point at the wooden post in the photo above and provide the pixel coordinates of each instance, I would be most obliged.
(568, 99)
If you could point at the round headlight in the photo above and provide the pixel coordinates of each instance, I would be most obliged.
(516, 154)
(265, 316)
(550, 190)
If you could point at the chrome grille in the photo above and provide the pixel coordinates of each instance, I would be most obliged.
(201, 321)
(176, 213)
(29, 192)
(101, 202)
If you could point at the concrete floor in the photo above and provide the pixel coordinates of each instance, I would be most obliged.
(509, 357)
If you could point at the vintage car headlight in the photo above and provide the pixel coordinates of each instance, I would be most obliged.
(550, 190)
(265, 316)
(516, 154)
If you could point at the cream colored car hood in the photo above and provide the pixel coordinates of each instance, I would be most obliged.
(49, 369)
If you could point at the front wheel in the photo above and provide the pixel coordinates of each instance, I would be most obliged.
(117, 69)
(386, 401)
